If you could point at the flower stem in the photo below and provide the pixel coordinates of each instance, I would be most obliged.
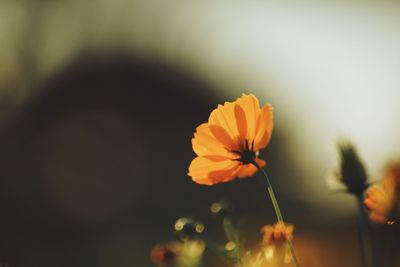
(277, 210)
(271, 193)
(232, 236)
(274, 201)
(296, 261)
(215, 248)
(363, 236)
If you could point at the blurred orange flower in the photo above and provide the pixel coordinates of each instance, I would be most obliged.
(277, 234)
(178, 254)
(228, 144)
(383, 201)
(165, 255)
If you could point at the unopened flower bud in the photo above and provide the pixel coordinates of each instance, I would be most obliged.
(352, 172)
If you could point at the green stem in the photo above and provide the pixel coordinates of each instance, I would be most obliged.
(232, 235)
(271, 193)
(296, 261)
(363, 237)
(277, 210)
(216, 249)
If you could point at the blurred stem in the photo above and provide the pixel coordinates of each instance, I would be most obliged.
(232, 236)
(363, 236)
(290, 244)
(215, 248)
(277, 210)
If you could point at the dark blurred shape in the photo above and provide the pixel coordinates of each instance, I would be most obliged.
(352, 171)
(92, 166)
(91, 163)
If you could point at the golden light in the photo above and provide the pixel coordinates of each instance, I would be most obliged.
(230, 246)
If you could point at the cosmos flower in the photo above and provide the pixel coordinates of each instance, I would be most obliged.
(383, 201)
(227, 146)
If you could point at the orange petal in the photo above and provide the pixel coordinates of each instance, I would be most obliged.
(264, 128)
(378, 202)
(241, 123)
(249, 169)
(375, 193)
(251, 107)
(261, 162)
(246, 171)
(369, 203)
(389, 186)
(224, 116)
(221, 135)
(204, 143)
(209, 171)
(377, 218)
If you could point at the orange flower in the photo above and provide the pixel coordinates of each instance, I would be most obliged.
(228, 144)
(277, 234)
(382, 201)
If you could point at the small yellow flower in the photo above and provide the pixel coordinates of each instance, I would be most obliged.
(273, 251)
(277, 234)
(228, 144)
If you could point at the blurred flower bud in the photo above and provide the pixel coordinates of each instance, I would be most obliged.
(274, 251)
(186, 253)
(221, 209)
(351, 172)
(188, 227)
(165, 255)
(277, 234)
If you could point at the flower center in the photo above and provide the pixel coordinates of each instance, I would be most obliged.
(247, 155)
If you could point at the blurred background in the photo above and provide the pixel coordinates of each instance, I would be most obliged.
(99, 101)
